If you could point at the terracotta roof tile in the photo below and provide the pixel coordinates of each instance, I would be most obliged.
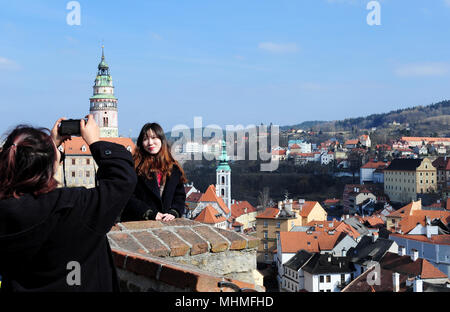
(238, 208)
(211, 196)
(194, 197)
(74, 146)
(210, 215)
(268, 213)
(435, 239)
(307, 208)
(291, 242)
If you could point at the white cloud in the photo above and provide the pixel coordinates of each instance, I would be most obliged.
(8, 64)
(278, 47)
(423, 70)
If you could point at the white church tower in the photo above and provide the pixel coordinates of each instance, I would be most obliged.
(223, 177)
(103, 102)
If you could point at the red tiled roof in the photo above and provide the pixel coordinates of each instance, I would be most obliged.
(412, 214)
(75, 144)
(331, 201)
(324, 226)
(238, 208)
(211, 196)
(404, 264)
(351, 142)
(428, 139)
(268, 213)
(194, 197)
(348, 229)
(295, 146)
(435, 239)
(291, 242)
(375, 165)
(307, 207)
(210, 215)
(279, 152)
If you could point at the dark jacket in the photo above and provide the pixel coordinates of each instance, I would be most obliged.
(146, 201)
(40, 236)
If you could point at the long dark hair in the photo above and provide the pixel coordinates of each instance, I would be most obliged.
(146, 163)
(27, 162)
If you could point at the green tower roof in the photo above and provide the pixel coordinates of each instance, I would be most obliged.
(223, 159)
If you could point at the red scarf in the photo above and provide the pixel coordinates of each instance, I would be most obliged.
(159, 176)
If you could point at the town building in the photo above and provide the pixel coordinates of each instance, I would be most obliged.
(404, 178)
(366, 172)
(287, 214)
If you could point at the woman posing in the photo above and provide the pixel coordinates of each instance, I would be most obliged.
(159, 193)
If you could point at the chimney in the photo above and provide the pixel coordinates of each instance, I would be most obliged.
(374, 237)
(414, 255)
(396, 282)
(280, 205)
(344, 253)
(418, 284)
(401, 251)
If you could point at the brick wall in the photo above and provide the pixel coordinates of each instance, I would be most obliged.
(183, 255)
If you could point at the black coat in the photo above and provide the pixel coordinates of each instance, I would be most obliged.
(146, 201)
(40, 236)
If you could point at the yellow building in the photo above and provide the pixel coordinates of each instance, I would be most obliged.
(405, 178)
(289, 213)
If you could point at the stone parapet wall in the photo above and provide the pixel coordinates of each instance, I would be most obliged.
(182, 255)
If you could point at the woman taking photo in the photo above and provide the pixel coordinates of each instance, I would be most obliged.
(159, 193)
(54, 239)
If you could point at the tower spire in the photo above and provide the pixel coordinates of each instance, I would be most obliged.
(103, 52)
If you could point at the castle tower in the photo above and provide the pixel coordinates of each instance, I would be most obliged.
(223, 177)
(103, 102)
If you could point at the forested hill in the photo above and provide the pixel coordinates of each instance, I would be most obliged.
(434, 118)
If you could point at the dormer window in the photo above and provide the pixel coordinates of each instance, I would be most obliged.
(83, 148)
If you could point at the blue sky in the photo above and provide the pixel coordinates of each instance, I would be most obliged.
(229, 62)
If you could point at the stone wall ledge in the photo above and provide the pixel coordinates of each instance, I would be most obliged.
(183, 255)
(160, 274)
(179, 237)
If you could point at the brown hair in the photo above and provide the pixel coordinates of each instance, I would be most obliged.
(146, 163)
(27, 163)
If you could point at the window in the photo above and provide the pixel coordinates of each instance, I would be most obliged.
(265, 234)
(265, 223)
(278, 224)
(73, 174)
(88, 161)
(105, 122)
(321, 279)
(328, 279)
(88, 174)
(342, 278)
(266, 246)
(223, 180)
(73, 161)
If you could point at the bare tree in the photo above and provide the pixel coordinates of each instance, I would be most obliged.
(264, 199)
